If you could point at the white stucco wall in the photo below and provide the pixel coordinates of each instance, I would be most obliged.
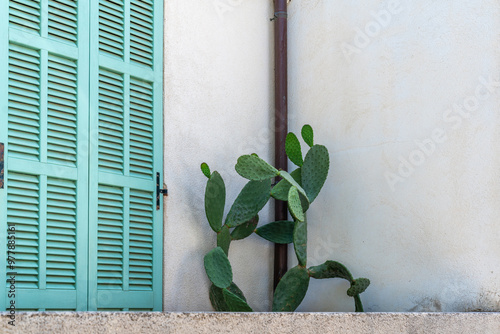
(421, 223)
(218, 106)
(429, 238)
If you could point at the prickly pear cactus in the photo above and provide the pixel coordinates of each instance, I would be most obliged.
(280, 232)
(293, 150)
(291, 290)
(254, 168)
(315, 171)
(218, 268)
(249, 202)
(299, 189)
(215, 200)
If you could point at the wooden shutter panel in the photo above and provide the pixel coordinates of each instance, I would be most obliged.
(81, 105)
(46, 66)
(126, 229)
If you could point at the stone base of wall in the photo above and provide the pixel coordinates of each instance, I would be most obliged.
(201, 323)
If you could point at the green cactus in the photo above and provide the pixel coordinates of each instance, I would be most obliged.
(333, 269)
(252, 198)
(294, 204)
(218, 268)
(217, 298)
(280, 232)
(246, 229)
(357, 304)
(294, 183)
(298, 189)
(358, 286)
(308, 135)
(224, 239)
(235, 303)
(330, 269)
(252, 167)
(291, 290)
(300, 242)
(205, 169)
(215, 200)
(315, 171)
(280, 190)
(293, 150)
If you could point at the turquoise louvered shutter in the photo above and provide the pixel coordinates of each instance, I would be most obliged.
(81, 111)
(44, 78)
(125, 119)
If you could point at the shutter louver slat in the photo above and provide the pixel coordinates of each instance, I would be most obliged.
(110, 238)
(62, 110)
(23, 212)
(24, 102)
(25, 15)
(63, 20)
(111, 122)
(141, 32)
(141, 128)
(141, 240)
(111, 28)
(61, 234)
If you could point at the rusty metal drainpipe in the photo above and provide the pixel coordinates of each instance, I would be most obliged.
(280, 124)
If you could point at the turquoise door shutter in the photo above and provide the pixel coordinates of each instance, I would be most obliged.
(81, 117)
(126, 122)
(44, 78)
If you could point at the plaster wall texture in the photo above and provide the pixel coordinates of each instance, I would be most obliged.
(413, 194)
(218, 105)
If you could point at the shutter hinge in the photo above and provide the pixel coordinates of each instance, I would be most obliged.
(1, 165)
(159, 191)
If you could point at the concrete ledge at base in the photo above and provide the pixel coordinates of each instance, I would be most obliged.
(201, 323)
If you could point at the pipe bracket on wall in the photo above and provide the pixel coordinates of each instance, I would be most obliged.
(159, 191)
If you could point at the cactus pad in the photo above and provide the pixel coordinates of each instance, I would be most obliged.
(280, 190)
(245, 229)
(218, 268)
(224, 239)
(217, 299)
(292, 181)
(252, 198)
(280, 232)
(358, 286)
(293, 150)
(308, 135)
(330, 269)
(300, 242)
(294, 204)
(215, 200)
(235, 303)
(205, 169)
(315, 171)
(291, 290)
(358, 304)
(254, 168)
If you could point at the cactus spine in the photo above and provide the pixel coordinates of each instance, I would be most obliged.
(299, 188)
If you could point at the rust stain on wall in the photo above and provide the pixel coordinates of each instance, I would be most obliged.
(1, 165)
